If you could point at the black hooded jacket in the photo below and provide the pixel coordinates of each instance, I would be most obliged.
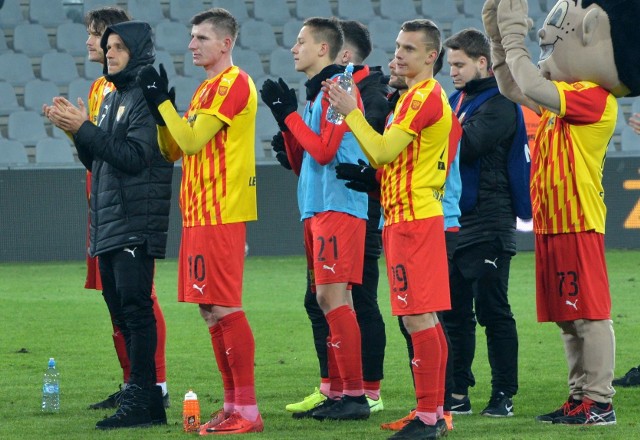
(487, 136)
(131, 182)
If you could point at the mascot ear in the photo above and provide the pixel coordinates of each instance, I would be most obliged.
(589, 25)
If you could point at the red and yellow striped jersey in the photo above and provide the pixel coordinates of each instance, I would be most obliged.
(567, 160)
(412, 185)
(98, 90)
(219, 182)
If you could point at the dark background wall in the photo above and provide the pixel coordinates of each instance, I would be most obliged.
(43, 212)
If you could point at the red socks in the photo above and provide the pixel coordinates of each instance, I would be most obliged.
(426, 365)
(239, 347)
(345, 343)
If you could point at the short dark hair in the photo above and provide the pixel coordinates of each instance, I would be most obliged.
(472, 42)
(327, 30)
(625, 34)
(99, 19)
(220, 18)
(437, 66)
(357, 35)
(428, 28)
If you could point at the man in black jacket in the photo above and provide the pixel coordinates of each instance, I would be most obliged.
(486, 241)
(129, 205)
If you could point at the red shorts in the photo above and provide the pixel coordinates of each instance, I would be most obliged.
(334, 243)
(211, 263)
(571, 277)
(417, 266)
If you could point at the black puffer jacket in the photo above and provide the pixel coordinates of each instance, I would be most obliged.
(487, 135)
(131, 182)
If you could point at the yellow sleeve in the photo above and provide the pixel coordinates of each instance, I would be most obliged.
(168, 146)
(380, 149)
(189, 139)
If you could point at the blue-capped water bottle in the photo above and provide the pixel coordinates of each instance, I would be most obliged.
(345, 81)
(51, 389)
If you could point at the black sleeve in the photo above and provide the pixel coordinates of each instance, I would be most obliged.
(491, 125)
(84, 154)
(376, 109)
(129, 155)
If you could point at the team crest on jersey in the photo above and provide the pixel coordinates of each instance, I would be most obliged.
(222, 90)
(120, 113)
(415, 104)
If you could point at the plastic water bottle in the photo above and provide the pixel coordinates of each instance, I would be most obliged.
(190, 412)
(51, 389)
(345, 81)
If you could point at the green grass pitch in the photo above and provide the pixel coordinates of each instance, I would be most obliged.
(45, 312)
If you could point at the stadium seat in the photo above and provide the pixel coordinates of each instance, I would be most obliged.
(185, 88)
(31, 39)
(635, 105)
(290, 32)
(150, 11)
(281, 65)
(191, 70)
(163, 57)
(630, 141)
(275, 12)
(92, 70)
(38, 92)
(534, 50)
(8, 99)
(461, 23)
(95, 4)
(183, 10)
(16, 68)
(79, 88)
(361, 10)
(384, 33)
(3, 43)
(621, 122)
(12, 153)
(58, 67)
(302, 93)
(237, 8)
(266, 126)
(172, 36)
(11, 14)
(258, 36)
(440, 11)
(473, 8)
(379, 57)
(398, 10)
(48, 13)
(249, 61)
(313, 8)
(27, 127)
(54, 151)
(72, 38)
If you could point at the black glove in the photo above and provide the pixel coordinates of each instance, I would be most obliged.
(361, 177)
(154, 88)
(281, 100)
(277, 144)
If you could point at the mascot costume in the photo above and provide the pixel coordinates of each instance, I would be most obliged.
(589, 56)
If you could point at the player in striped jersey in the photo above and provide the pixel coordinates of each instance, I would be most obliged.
(215, 141)
(589, 57)
(414, 155)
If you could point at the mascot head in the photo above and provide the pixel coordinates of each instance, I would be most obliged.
(593, 40)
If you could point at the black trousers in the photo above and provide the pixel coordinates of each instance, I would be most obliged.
(127, 277)
(365, 304)
(480, 276)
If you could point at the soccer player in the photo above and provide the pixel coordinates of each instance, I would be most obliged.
(414, 153)
(576, 98)
(486, 241)
(215, 141)
(369, 80)
(333, 216)
(130, 203)
(96, 22)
